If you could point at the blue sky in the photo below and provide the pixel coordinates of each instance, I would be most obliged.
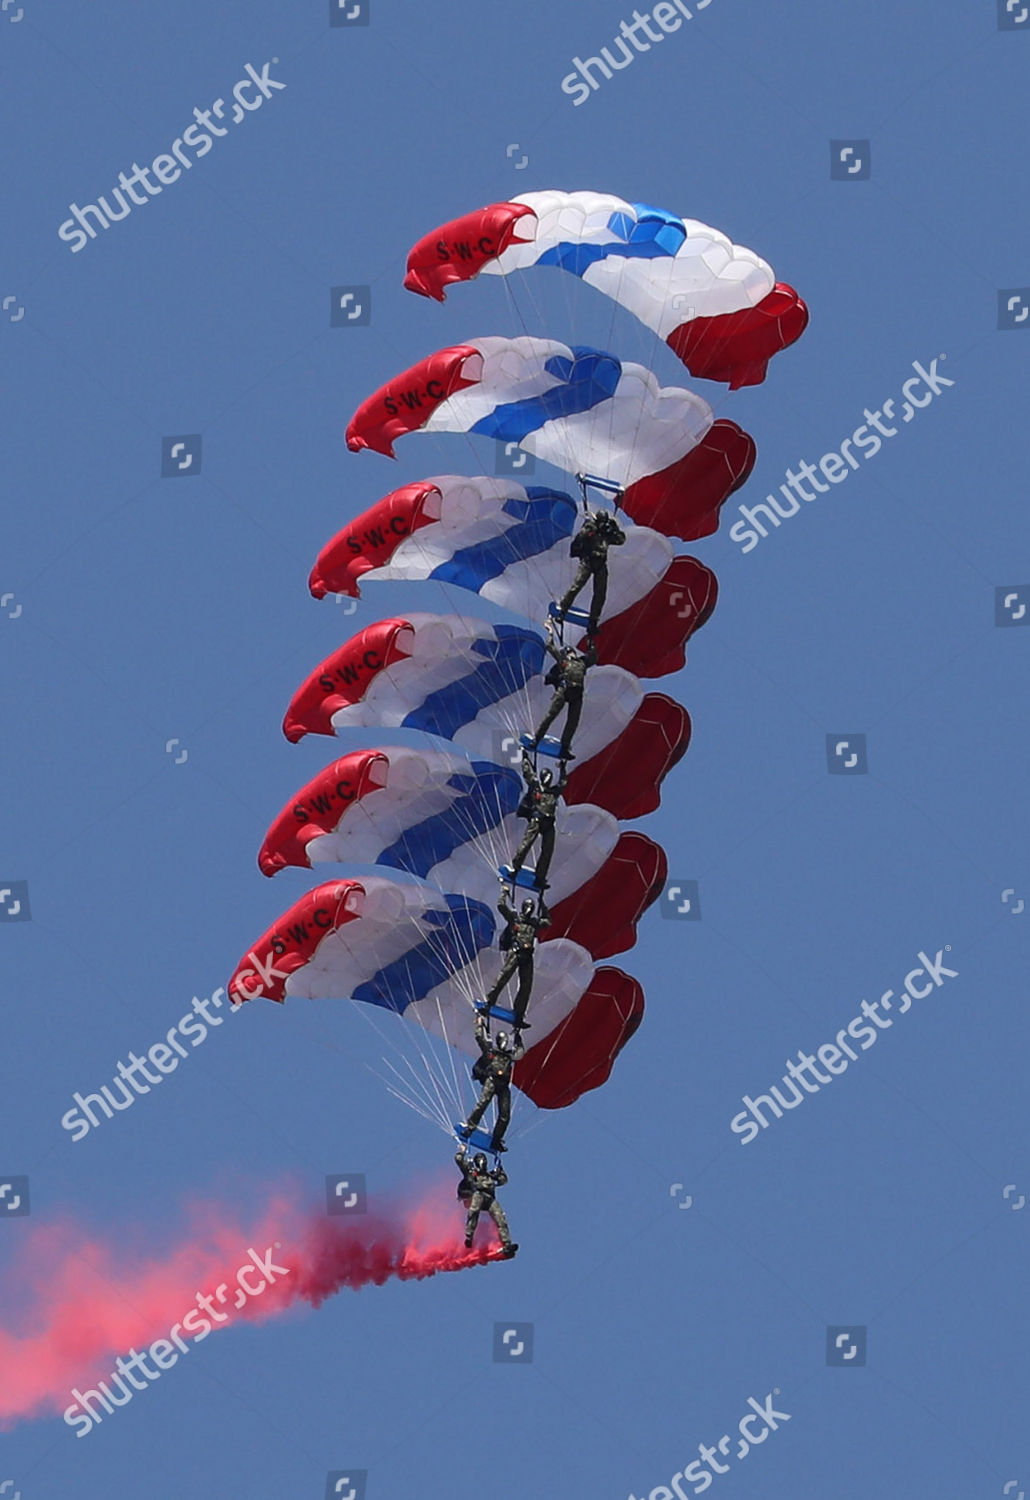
(140, 610)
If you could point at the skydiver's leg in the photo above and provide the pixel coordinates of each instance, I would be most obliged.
(521, 1005)
(503, 1117)
(518, 859)
(543, 860)
(497, 1213)
(483, 1104)
(571, 721)
(598, 598)
(557, 704)
(508, 968)
(472, 1217)
(579, 582)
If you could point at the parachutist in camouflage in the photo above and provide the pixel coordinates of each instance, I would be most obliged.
(590, 545)
(568, 678)
(492, 1069)
(518, 941)
(540, 807)
(476, 1190)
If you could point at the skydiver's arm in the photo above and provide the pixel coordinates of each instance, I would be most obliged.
(532, 780)
(549, 646)
(500, 1177)
(543, 920)
(481, 1036)
(519, 1052)
(506, 909)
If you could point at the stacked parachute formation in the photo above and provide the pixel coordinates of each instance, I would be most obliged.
(537, 738)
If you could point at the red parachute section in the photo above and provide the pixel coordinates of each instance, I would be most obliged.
(625, 777)
(405, 403)
(684, 500)
(602, 915)
(343, 678)
(318, 807)
(262, 973)
(737, 347)
(650, 638)
(580, 1052)
(370, 540)
(459, 250)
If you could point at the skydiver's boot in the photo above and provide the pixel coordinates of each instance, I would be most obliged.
(509, 1251)
(468, 1242)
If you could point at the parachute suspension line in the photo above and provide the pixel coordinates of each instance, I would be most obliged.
(444, 1105)
(446, 1091)
(368, 1017)
(433, 1064)
(454, 1069)
(403, 1093)
(367, 1013)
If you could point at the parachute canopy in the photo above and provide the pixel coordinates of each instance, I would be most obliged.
(510, 545)
(716, 304)
(452, 821)
(437, 814)
(578, 408)
(462, 679)
(411, 949)
(479, 685)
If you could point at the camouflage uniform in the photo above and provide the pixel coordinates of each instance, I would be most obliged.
(476, 1190)
(539, 806)
(590, 545)
(568, 678)
(520, 940)
(493, 1070)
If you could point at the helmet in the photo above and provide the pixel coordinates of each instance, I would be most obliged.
(479, 1162)
(527, 908)
(502, 1041)
(546, 777)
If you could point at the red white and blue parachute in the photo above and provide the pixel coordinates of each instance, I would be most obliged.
(510, 545)
(716, 304)
(412, 950)
(452, 821)
(421, 830)
(579, 408)
(459, 678)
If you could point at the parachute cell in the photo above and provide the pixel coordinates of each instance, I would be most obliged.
(603, 914)
(440, 815)
(716, 304)
(578, 408)
(626, 776)
(460, 679)
(412, 950)
(490, 536)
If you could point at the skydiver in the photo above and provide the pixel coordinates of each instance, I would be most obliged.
(518, 941)
(476, 1190)
(539, 806)
(590, 544)
(568, 678)
(492, 1068)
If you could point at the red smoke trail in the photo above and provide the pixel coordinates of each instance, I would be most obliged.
(80, 1303)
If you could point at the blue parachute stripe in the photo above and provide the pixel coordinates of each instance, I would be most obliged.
(509, 661)
(548, 518)
(589, 378)
(652, 235)
(482, 798)
(462, 931)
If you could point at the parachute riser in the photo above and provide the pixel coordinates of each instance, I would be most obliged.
(588, 482)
